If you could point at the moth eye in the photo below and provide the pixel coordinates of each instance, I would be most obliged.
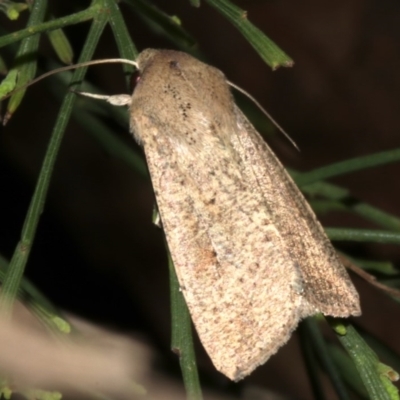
(135, 78)
(174, 64)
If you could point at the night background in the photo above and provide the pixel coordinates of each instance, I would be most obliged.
(98, 255)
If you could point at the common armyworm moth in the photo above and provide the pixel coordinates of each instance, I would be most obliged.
(251, 258)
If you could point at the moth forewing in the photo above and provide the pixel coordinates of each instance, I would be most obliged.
(327, 286)
(250, 256)
(226, 250)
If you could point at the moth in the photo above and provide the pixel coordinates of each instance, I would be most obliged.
(251, 258)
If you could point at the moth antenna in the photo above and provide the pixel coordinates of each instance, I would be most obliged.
(248, 95)
(371, 279)
(69, 67)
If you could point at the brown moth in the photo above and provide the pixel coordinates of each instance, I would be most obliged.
(251, 258)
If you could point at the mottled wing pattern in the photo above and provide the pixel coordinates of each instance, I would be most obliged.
(242, 290)
(239, 231)
(327, 286)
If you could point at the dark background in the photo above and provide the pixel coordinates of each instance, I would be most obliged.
(98, 255)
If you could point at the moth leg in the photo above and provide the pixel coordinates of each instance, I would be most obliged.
(156, 217)
(115, 100)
